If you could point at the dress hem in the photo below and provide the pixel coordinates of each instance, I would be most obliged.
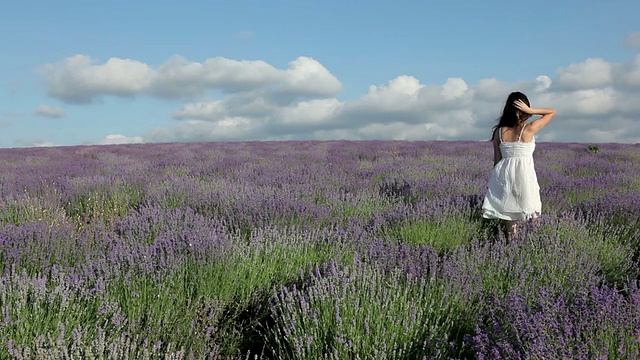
(511, 216)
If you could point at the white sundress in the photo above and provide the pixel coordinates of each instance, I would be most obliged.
(514, 193)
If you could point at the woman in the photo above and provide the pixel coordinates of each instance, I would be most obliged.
(514, 193)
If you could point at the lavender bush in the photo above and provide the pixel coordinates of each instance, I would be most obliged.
(359, 312)
(310, 249)
(594, 323)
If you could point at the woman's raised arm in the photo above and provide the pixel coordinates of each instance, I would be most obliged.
(536, 125)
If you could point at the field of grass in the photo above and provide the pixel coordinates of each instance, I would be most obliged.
(314, 250)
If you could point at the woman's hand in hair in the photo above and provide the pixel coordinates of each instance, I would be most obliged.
(522, 106)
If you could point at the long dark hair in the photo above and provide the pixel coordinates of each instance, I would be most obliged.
(510, 115)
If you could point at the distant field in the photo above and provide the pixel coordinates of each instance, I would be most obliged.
(312, 250)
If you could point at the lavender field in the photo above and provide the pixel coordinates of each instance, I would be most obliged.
(314, 250)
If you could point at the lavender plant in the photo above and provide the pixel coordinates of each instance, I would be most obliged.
(593, 323)
(210, 250)
(359, 312)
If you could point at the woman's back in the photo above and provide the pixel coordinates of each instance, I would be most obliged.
(515, 134)
(513, 193)
(517, 148)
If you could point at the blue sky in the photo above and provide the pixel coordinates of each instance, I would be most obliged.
(97, 72)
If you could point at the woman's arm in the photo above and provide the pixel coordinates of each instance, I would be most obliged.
(497, 155)
(538, 124)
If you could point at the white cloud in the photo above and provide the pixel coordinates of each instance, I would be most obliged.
(632, 40)
(492, 90)
(35, 143)
(604, 136)
(335, 134)
(225, 120)
(227, 129)
(454, 88)
(403, 86)
(393, 131)
(44, 144)
(627, 75)
(627, 103)
(313, 112)
(543, 82)
(589, 74)
(180, 78)
(398, 95)
(119, 139)
(48, 111)
(205, 110)
(306, 76)
(80, 79)
(402, 108)
(580, 103)
(256, 101)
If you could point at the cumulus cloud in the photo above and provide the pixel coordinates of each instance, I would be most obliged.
(393, 131)
(402, 87)
(543, 82)
(401, 108)
(44, 144)
(119, 139)
(48, 111)
(397, 97)
(228, 129)
(405, 100)
(180, 78)
(35, 143)
(81, 79)
(581, 103)
(594, 98)
(589, 74)
(205, 110)
(306, 76)
(229, 99)
(313, 112)
(454, 88)
(492, 90)
(605, 136)
(78, 79)
(632, 40)
(627, 75)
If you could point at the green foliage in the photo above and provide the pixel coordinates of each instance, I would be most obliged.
(358, 206)
(28, 208)
(362, 313)
(218, 302)
(102, 205)
(561, 256)
(37, 306)
(444, 235)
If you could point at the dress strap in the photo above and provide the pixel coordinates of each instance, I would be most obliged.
(500, 133)
(521, 131)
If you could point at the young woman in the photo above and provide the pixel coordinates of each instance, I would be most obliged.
(514, 193)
